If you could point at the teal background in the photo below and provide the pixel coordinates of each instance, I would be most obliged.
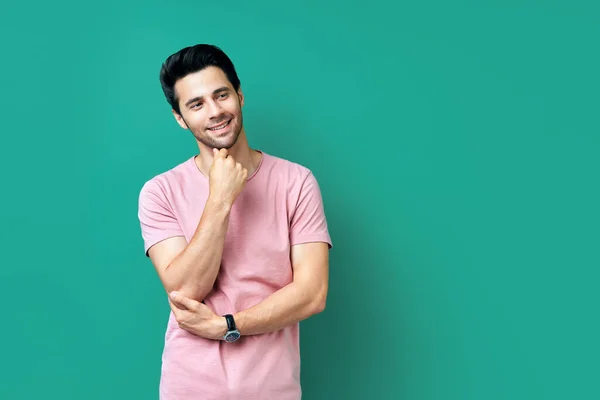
(456, 145)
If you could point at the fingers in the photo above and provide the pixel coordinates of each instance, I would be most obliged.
(180, 301)
(181, 315)
(177, 310)
(222, 153)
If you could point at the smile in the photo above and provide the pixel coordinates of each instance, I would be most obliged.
(219, 127)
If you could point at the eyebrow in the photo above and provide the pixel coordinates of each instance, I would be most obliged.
(197, 98)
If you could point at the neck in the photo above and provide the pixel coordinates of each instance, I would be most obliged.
(241, 152)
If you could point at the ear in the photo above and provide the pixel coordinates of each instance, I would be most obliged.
(179, 120)
(241, 96)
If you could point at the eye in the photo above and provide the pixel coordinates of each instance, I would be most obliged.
(223, 95)
(196, 106)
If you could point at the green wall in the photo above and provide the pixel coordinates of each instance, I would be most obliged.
(457, 150)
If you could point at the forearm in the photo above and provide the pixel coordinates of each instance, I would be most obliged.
(194, 271)
(289, 305)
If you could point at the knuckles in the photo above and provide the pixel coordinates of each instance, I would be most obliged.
(229, 164)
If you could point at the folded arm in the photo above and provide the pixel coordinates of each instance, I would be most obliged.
(191, 268)
(304, 297)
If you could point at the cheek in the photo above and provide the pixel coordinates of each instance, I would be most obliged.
(233, 108)
(237, 113)
(195, 121)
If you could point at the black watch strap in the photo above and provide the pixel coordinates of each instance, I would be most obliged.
(230, 322)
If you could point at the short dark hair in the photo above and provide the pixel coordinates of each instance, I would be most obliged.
(193, 59)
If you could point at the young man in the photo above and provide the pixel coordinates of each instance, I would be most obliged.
(239, 240)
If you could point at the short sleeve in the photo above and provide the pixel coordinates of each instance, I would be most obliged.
(308, 222)
(157, 220)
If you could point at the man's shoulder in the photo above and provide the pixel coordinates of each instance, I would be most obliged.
(162, 181)
(289, 169)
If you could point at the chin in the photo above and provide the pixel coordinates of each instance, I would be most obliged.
(221, 144)
(226, 141)
(230, 141)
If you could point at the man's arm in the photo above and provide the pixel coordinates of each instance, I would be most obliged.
(305, 296)
(191, 268)
(302, 298)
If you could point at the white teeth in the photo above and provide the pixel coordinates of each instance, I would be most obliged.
(219, 127)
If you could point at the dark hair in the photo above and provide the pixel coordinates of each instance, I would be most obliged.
(193, 59)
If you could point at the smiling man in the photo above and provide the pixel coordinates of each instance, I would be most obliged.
(239, 240)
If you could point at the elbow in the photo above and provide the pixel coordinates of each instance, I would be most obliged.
(192, 292)
(319, 303)
(319, 307)
(173, 282)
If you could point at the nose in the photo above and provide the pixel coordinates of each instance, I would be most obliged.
(214, 109)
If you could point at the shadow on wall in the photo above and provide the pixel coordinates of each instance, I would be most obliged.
(345, 350)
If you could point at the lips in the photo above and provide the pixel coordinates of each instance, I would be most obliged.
(220, 126)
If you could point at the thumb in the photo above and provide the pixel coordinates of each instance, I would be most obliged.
(180, 299)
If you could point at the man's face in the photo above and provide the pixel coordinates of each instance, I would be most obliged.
(210, 108)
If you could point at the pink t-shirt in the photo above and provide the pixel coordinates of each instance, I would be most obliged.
(280, 206)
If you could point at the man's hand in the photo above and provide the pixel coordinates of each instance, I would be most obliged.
(197, 318)
(227, 178)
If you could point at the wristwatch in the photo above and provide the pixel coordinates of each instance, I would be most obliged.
(232, 333)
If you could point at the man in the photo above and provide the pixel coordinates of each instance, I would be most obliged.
(239, 240)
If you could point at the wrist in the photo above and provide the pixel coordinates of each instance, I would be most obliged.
(233, 332)
(219, 327)
(218, 205)
(239, 321)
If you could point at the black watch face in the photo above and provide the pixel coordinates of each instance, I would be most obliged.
(232, 336)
